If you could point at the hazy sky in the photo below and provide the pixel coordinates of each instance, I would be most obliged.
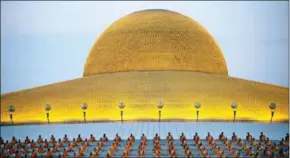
(48, 42)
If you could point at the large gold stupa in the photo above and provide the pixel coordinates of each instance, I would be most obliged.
(144, 58)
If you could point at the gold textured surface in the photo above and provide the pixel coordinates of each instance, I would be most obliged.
(155, 40)
(141, 91)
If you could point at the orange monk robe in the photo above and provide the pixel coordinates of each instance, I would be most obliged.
(79, 139)
(52, 139)
(27, 141)
(65, 139)
(19, 145)
(92, 139)
(25, 150)
(14, 141)
(70, 148)
(34, 155)
(39, 140)
(49, 154)
(41, 149)
(33, 145)
(18, 155)
(55, 149)
(60, 144)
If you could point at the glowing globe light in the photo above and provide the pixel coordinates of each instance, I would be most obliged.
(11, 108)
(234, 105)
(160, 105)
(47, 107)
(197, 105)
(272, 106)
(84, 106)
(121, 105)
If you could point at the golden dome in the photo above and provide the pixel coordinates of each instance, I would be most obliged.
(152, 40)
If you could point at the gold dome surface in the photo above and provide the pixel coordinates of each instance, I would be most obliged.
(141, 91)
(152, 40)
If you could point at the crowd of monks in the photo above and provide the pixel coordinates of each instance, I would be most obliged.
(231, 146)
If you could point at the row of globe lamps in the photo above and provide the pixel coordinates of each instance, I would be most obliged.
(160, 105)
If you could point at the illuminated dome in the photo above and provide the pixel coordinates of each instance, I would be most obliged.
(152, 40)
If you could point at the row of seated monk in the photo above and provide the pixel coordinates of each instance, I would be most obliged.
(230, 145)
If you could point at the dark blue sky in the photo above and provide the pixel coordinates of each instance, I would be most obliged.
(48, 42)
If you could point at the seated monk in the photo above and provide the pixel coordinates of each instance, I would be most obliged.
(109, 155)
(188, 153)
(266, 152)
(208, 137)
(235, 152)
(70, 148)
(234, 137)
(86, 143)
(156, 137)
(33, 145)
(64, 154)
(49, 153)
(81, 151)
(157, 153)
(46, 144)
(143, 137)
(54, 148)
(203, 152)
(39, 140)
(195, 137)
(12, 150)
(79, 139)
(268, 142)
(287, 137)
(260, 147)
(105, 138)
(245, 147)
(181, 138)
(65, 139)
(25, 149)
(52, 139)
(230, 147)
(262, 137)
(282, 143)
(34, 154)
(4, 154)
(60, 144)
(250, 152)
(117, 138)
(19, 145)
(249, 137)
(92, 138)
(140, 153)
(74, 143)
(101, 143)
(14, 140)
(1, 141)
(173, 153)
(223, 155)
(222, 137)
(132, 138)
(226, 142)
(41, 149)
(274, 148)
(169, 137)
(7, 145)
(18, 154)
(27, 140)
(212, 142)
(240, 143)
(254, 142)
